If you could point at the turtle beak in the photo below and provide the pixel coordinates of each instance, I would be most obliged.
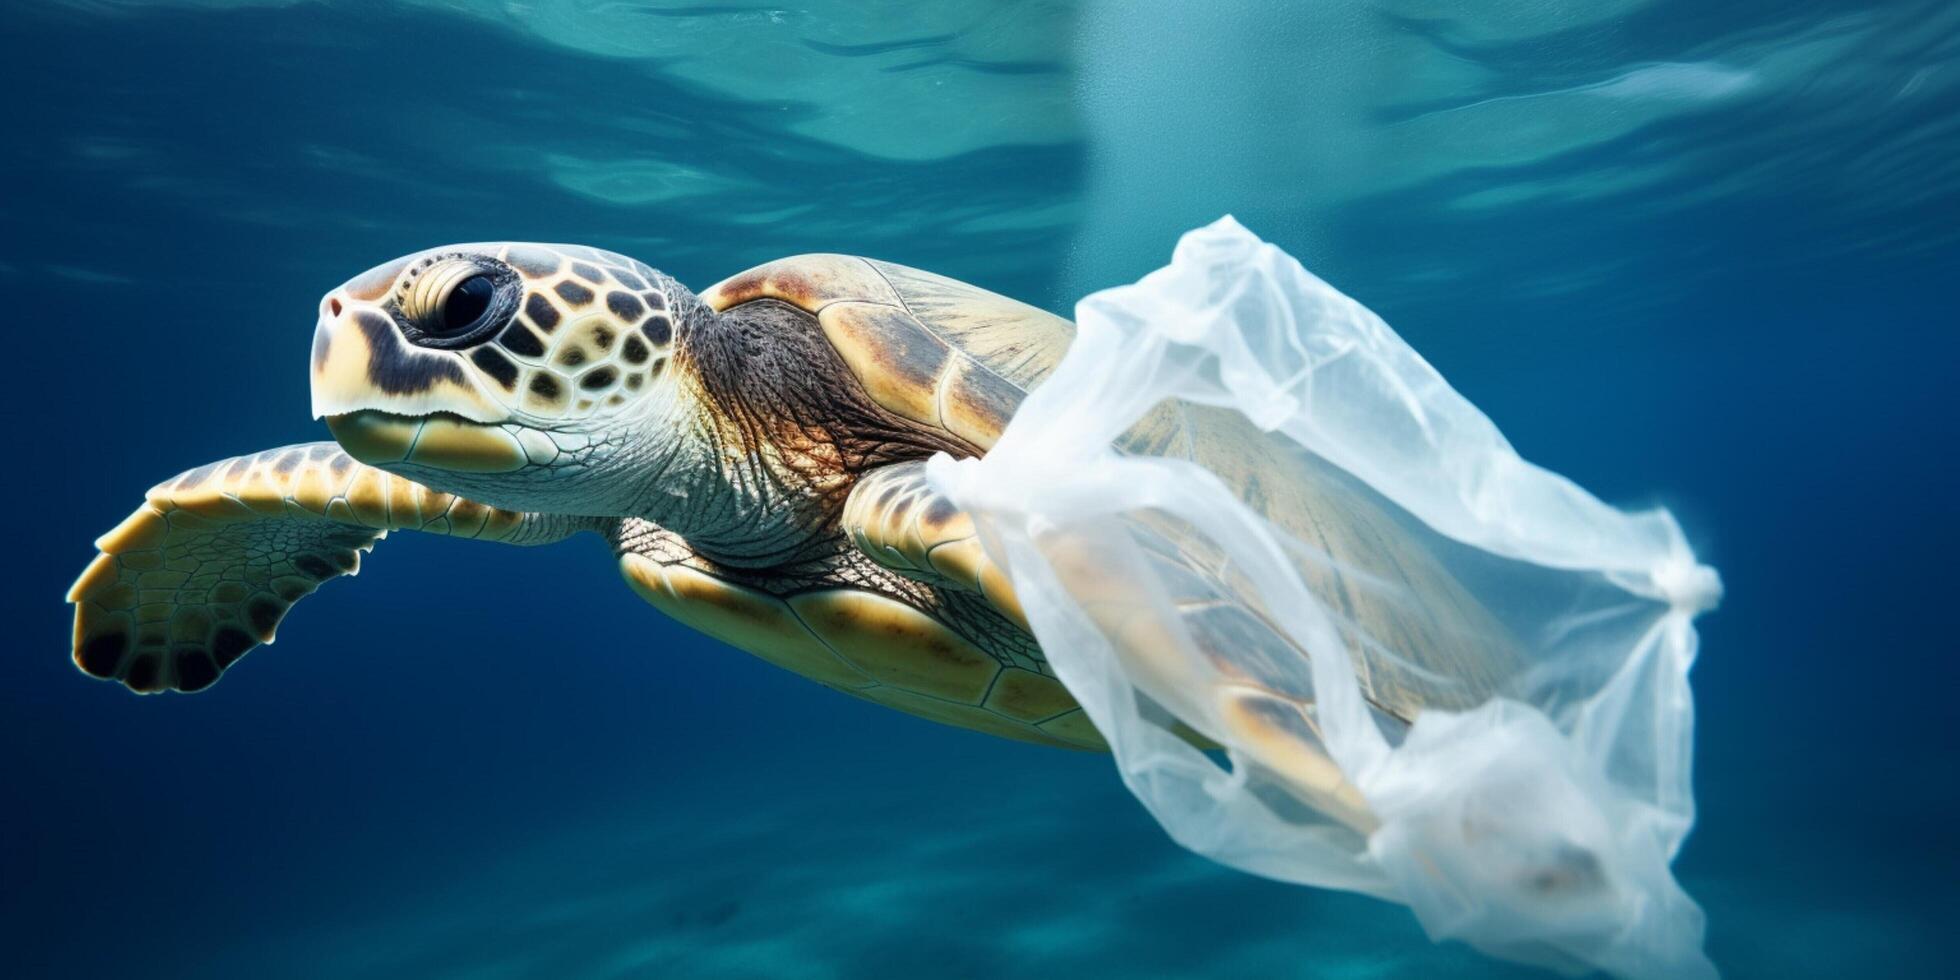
(441, 442)
(388, 401)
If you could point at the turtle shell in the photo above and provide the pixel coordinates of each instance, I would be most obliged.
(931, 349)
(948, 354)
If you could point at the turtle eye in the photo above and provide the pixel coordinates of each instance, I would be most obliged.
(456, 302)
(466, 303)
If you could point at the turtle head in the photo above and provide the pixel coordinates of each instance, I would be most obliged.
(519, 375)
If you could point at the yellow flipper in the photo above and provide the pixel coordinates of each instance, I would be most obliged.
(206, 568)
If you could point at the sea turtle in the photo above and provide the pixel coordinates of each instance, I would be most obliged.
(753, 454)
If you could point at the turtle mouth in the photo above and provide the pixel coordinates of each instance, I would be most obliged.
(440, 440)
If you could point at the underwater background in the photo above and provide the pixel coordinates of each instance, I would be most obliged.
(1686, 253)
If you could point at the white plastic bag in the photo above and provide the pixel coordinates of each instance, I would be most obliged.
(1236, 467)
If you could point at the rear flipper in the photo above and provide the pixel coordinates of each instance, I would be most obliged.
(899, 521)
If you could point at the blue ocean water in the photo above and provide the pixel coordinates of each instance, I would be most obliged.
(1686, 253)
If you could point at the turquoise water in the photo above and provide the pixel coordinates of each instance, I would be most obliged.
(1688, 255)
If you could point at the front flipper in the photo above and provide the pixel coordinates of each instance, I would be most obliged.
(899, 521)
(209, 565)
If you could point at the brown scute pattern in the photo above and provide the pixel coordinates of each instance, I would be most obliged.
(808, 281)
(658, 329)
(563, 286)
(898, 363)
(1018, 342)
(542, 313)
(545, 394)
(497, 366)
(564, 340)
(999, 348)
(625, 306)
(519, 340)
(207, 567)
(975, 403)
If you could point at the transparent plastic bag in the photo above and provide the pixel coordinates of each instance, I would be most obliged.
(1235, 467)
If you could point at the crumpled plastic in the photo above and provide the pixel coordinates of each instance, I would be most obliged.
(1337, 632)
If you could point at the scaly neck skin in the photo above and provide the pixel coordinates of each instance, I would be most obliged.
(728, 466)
